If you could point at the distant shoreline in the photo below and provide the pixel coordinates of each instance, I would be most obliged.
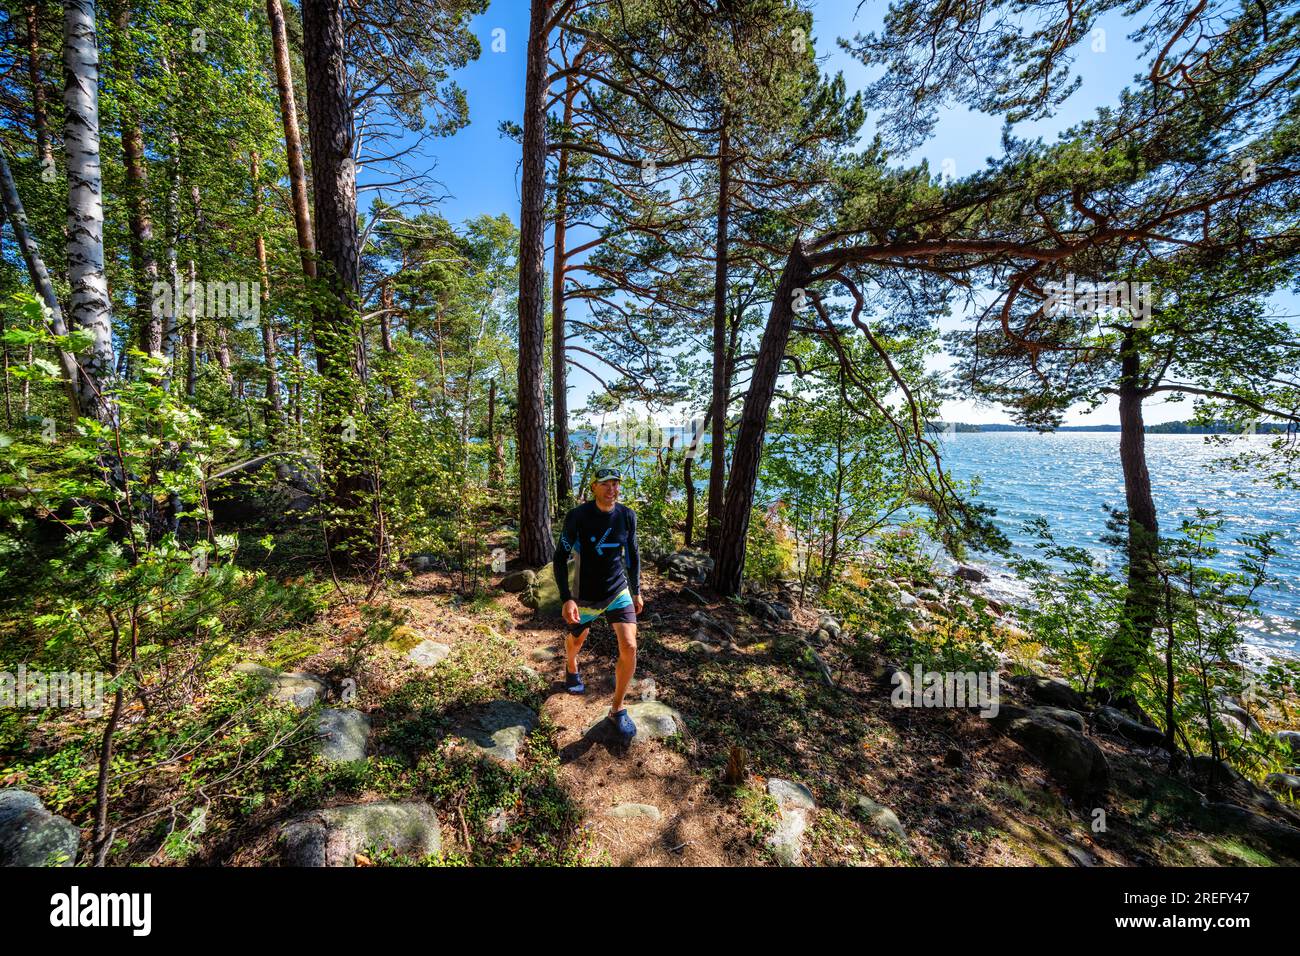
(1166, 428)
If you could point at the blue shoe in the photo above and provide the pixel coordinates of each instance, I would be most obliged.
(573, 683)
(623, 723)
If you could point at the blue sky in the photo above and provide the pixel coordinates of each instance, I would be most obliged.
(480, 167)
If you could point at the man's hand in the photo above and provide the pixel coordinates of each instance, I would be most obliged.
(637, 603)
(570, 612)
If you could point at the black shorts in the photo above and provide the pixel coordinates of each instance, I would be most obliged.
(614, 615)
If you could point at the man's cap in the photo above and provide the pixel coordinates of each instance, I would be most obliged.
(608, 474)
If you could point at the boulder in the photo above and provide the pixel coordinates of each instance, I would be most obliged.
(428, 653)
(1071, 718)
(929, 594)
(516, 581)
(832, 627)
(1288, 783)
(1052, 691)
(790, 795)
(1278, 837)
(1242, 717)
(686, 565)
(654, 720)
(882, 819)
(708, 622)
(1289, 738)
(497, 729)
(543, 595)
(903, 599)
(1117, 722)
(1077, 762)
(794, 803)
(346, 733)
(1223, 780)
(334, 837)
(30, 835)
(300, 689)
(970, 573)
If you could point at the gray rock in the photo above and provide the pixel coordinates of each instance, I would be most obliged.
(1053, 691)
(1289, 738)
(1287, 783)
(1080, 856)
(635, 811)
(968, 573)
(905, 600)
(832, 627)
(1117, 722)
(880, 817)
(428, 653)
(298, 688)
(786, 841)
(695, 596)
(654, 720)
(790, 795)
(334, 836)
(700, 647)
(30, 835)
(710, 623)
(1071, 718)
(346, 734)
(1068, 755)
(929, 594)
(544, 654)
(497, 729)
(702, 635)
(518, 580)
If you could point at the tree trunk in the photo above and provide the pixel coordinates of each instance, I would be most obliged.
(721, 382)
(729, 563)
(13, 206)
(1122, 656)
(559, 369)
(40, 115)
(688, 481)
(192, 332)
(292, 138)
(334, 188)
(89, 306)
(275, 408)
(144, 263)
(535, 543)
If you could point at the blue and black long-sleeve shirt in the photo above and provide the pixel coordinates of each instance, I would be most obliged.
(611, 560)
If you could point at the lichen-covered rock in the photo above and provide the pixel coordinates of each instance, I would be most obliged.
(1077, 762)
(31, 835)
(516, 581)
(334, 836)
(299, 688)
(497, 729)
(345, 735)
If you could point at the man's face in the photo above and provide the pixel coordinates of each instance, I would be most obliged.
(607, 492)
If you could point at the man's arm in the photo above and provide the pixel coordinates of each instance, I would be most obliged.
(633, 556)
(569, 543)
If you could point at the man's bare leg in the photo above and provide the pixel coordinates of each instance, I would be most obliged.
(571, 647)
(626, 663)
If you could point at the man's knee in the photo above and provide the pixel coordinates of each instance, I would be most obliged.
(627, 641)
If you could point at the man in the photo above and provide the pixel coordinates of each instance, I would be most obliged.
(603, 533)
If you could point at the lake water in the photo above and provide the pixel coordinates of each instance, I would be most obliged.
(1067, 477)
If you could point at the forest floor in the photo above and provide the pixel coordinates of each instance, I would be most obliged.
(891, 786)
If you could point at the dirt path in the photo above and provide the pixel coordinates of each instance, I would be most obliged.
(694, 828)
